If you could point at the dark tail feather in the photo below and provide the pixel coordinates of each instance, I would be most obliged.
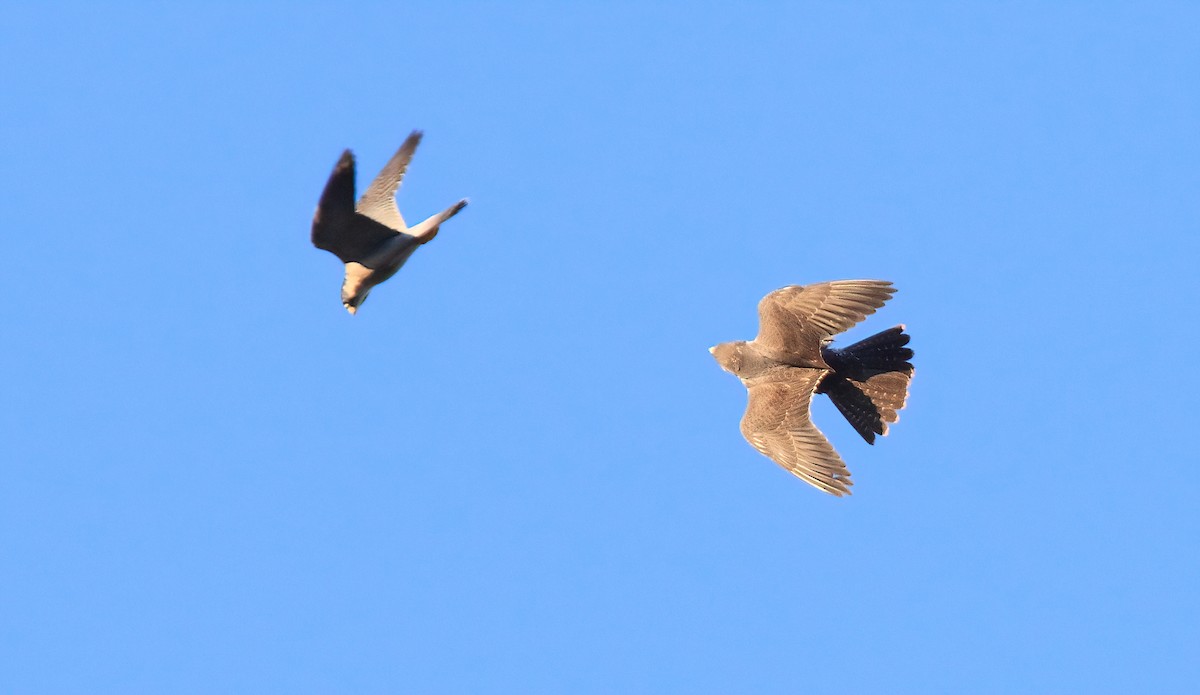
(869, 383)
(855, 405)
(882, 352)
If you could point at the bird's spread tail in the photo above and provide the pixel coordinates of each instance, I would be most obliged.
(869, 383)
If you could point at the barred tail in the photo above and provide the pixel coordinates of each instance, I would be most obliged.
(869, 382)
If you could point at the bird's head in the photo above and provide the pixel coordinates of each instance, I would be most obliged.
(729, 355)
(353, 301)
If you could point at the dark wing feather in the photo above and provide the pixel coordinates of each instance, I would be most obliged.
(777, 423)
(336, 207)
(336, 227)
(794, 321)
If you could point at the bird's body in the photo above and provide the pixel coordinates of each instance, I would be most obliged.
(791, 360)
(370, 236)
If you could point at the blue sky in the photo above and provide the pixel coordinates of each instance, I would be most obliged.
(518, 469)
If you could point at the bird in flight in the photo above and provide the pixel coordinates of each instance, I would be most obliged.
(370, 237)
(791, 360)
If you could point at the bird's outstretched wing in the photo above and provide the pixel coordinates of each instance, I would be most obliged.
(795, 320)
(777, 423)
(336, 227)
(335, 210)
(379, 200)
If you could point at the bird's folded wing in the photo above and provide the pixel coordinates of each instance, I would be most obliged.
(777, 423)
(379, 200)
(795, 320)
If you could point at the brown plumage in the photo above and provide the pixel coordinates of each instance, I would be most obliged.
(791, 359)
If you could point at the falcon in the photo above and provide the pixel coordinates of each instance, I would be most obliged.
(370, 237)
(792, 359)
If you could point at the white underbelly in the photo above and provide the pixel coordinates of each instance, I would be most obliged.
(379, 266)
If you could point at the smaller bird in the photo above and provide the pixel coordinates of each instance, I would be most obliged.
(791, 360)
(370, 237)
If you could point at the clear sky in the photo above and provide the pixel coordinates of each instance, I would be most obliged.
(518, 469)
